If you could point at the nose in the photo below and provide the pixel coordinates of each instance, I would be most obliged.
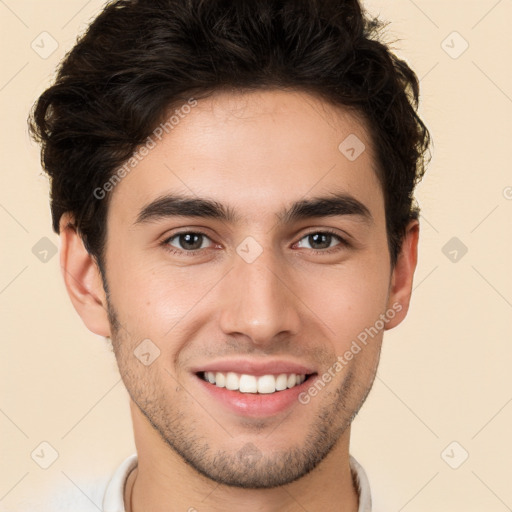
(259, 301)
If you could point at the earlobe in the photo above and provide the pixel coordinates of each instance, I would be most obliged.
(83, 279)
(403, 274)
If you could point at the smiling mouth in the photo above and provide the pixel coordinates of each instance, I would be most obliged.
(246, 383)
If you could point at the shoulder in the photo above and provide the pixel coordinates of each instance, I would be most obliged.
(80, 494)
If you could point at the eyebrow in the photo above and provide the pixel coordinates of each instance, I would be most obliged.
(336, 204)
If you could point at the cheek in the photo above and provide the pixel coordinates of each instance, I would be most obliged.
(350, 298)
(152, 299)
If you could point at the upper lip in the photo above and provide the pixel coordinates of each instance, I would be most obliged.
(254, 367)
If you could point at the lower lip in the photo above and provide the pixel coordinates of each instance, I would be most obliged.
(256, 404)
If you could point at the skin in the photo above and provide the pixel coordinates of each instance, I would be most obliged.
(257, 153)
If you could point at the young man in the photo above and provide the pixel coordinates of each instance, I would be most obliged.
(233, 185)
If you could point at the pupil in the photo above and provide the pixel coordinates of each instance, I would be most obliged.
(314, 239)
(188, 241)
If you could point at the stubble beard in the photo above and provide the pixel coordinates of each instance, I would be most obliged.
(247, 467)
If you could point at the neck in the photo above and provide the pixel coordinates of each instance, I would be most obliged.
(163, 481)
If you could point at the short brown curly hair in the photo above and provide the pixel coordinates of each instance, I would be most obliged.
(139, 58)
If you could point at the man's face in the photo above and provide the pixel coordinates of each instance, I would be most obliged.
(256, 293)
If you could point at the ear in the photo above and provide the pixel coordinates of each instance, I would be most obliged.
(82, 278)
(401, 279)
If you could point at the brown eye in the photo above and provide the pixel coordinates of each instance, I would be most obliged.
(321, 241)
(187, 241)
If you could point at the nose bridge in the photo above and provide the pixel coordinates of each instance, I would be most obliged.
(259, 303)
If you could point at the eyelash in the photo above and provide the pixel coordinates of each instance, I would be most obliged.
(173, 250)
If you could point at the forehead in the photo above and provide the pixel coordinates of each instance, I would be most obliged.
(254, 152)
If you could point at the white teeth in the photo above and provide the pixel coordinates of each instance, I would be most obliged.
(267, 384)
(220, 380)
(232, 381)
(281, 382)
(246, 383)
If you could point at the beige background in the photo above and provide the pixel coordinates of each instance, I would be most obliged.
(445, 372)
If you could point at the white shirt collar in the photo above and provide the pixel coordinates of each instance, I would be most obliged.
(113, 500)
